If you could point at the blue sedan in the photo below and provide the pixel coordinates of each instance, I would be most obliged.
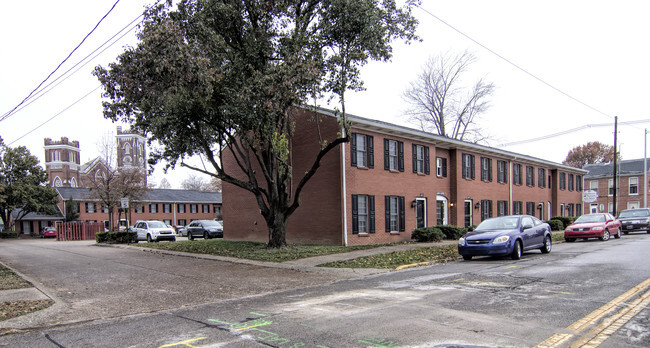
(506, 235)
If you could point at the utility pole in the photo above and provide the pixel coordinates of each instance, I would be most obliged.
(645, 169)
(615, 171)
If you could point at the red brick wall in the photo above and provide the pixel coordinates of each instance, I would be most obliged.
(318, 219)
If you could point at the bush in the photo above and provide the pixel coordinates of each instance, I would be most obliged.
(115, 237)
(556, 225)
(566, 220)
(427, 234)
(8, 234)
(452, 232)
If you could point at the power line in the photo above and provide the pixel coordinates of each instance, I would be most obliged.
(10, 112)
(515, 65)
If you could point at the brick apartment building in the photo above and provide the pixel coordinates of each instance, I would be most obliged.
(173, 207)
(629, 189)
(390, 179)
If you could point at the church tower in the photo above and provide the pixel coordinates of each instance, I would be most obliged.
(131, 152)
(62, 162)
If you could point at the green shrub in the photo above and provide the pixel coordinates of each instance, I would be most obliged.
(115, 237)
(8, 234)
(452, 232)
(427, 234)
(566, 220)
(556, 225)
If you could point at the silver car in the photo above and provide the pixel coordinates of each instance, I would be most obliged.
(154, 231)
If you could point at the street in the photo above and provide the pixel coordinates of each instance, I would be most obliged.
(588, 293)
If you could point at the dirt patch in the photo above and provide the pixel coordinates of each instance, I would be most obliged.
(9, 280)
(14, 309)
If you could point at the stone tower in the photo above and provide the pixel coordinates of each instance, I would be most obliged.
(62, 162)
(131, 152)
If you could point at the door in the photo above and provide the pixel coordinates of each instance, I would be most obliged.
(441, 210)
(533, 236)
(468, 213)
(420, 212)
(593, 208)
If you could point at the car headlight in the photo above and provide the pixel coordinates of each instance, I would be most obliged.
(461, 241)
(501, 240)
(598, 228)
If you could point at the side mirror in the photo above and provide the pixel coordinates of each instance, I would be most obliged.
(525, 227)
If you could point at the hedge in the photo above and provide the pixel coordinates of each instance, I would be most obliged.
(116, 237)
(556, 225)
(8, 234)
(566, 220)
(427, 234)
(452, 232)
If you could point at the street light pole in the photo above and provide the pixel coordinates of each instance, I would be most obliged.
(615, 171)
(645, 168)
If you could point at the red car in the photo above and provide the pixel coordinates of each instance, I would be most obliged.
(48, 232)
(600, 225)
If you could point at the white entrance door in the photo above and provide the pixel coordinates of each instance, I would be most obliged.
(441, 210)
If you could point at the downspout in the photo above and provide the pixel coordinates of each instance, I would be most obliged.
(344, 193)
(510, 186)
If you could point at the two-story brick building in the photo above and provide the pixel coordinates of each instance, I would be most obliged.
(390, 179)
(630, 185)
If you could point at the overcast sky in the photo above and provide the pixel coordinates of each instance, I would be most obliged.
(596, 52)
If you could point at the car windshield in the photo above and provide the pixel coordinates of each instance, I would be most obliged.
(157, 224)
(590, 218)
(633, 213)
(211, 224)
(502, 223)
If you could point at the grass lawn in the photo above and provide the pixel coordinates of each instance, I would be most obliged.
(253, 250)
(9, 281)
(435, 254)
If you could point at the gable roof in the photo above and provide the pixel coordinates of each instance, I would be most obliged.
(440, 141)
(625, 167)
(153, 195)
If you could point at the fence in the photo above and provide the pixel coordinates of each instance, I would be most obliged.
(78, 230)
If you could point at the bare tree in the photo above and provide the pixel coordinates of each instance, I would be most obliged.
(164, 184)
(197, 183)
(215, 184)
(442, 104)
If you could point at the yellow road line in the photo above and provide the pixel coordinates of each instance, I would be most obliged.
(609, 326)
(185, 343)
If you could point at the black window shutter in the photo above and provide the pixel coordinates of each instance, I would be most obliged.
(401, 214)
(371, 152)
(490, 170)
(387, 209)
(427, 169)
(415, 158)
(353, 149)
(386, 154)
(400, 149)
(471, 157)
(444, 167)
(355, 214)
(371, 213)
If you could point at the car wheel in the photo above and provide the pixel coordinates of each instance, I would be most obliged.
(189, 236)
(547, 245)
(206, 235)
(174, 239)
(516, 252)
(605, 236)
(467, 257)
(618, 234)
(570, 240)
(149, 240)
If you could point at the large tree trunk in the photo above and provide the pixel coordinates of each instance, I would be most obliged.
(277, 230)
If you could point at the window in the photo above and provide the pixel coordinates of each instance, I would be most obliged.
(180, 208)
(104, 208)
(90, 207)
(502, 175)
(516, 207)
(217, 209)
(205, 208)
(441, 167)
(562, 181)
(530, 208)
(486, 169)
(571, 187)
(569, 209)
(486, 209)
(634, 186)
(194, 208)
(393, 155)
(420, 159)
(468, 166)
(153, 208)
(593, 185)
(127, 149)
(139, 208)
(167, 222)
(362, 153)
(516, 174)
(610, 186)
(530, 176)
(541, 177)
(578, 183)
(394, 206)
(363, 214)
(578, 209)
(167, 208)
(182, 222)
(502, 208)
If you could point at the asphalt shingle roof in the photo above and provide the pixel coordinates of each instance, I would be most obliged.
(626, 167)
(153, 195)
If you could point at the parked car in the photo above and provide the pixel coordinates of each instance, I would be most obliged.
(598, 225)
(204, 229)
(48, 232)
(153, 230)
(506, 235)
(635, 220)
